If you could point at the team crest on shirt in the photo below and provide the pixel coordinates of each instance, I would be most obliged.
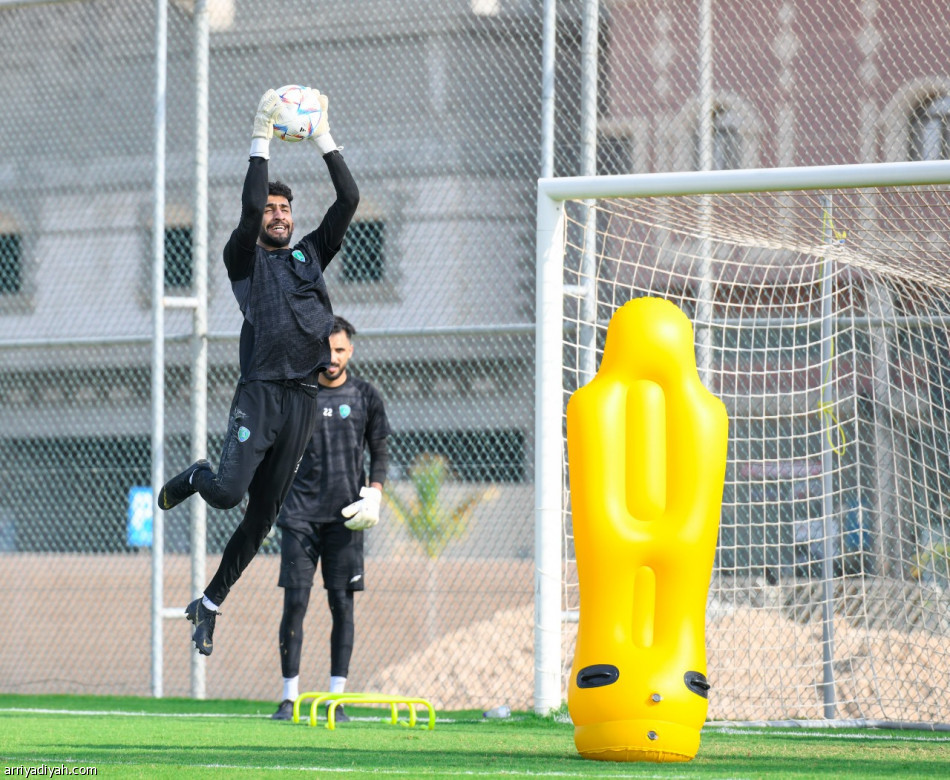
(298, 256)
(345, 410)
(243, 434)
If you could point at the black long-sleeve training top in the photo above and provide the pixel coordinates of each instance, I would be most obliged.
(282, 293)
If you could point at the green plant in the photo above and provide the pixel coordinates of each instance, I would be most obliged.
(934, 562)
(429, 519)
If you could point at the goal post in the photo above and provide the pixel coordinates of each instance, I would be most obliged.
(820, 298)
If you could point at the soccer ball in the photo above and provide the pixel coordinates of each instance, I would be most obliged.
(300, 113)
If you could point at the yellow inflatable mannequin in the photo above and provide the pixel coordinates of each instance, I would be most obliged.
(647, 458)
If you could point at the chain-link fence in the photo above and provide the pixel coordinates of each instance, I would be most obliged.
(438, 104)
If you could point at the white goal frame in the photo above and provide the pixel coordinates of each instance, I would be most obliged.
(549, 400)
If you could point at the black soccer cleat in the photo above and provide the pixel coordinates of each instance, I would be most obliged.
(178, 488)
(203, 618)
(339, 716)
(285, 711)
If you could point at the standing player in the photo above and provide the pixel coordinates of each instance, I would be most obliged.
(284, 349)
(314, 520)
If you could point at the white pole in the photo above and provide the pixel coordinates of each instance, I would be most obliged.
(891, 174)
(589, 52)
(705, 87)
(199, 368)
(704, 302)
(587, 327)
(548, 70)
(158, 347)
(547, 458)
(547, 623)
(827, 482)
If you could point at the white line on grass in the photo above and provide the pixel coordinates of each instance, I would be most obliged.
(113, 713)
(139, 714)
(826, 734)
(417, 772)
(413, 772)
(725, 728)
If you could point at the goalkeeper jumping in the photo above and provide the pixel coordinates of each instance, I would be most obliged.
(326, 512)
(284, 349)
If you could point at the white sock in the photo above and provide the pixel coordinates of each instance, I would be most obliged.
(209, 604)
(291, 687)
(337, 684)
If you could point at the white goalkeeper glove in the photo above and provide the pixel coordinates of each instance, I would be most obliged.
(321, 134)
(263, 129)
(364, 513)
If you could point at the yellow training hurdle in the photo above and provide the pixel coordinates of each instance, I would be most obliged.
(335, 699)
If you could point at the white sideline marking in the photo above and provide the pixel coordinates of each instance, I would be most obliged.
(725, 729)
(127, 713)
(439, 773)
(133, 714)
(830, 735)
(415, 772)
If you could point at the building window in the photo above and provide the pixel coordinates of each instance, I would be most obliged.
(179, 268)
(614, 154)
(930, 130)
(489, 455)
(363, 258)
(727, 141)
(11, 263)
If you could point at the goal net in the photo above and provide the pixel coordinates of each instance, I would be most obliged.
(820, 300)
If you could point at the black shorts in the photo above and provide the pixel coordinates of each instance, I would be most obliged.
(339, 550)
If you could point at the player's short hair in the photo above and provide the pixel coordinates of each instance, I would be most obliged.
(279, 188)
(341, 325)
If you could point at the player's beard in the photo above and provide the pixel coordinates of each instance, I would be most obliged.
(335, 371)
(279, 242)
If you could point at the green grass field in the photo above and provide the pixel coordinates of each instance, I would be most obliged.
(172, 738)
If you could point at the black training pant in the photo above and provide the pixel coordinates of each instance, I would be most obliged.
(342, 632)
(340, 552)
(269, 427)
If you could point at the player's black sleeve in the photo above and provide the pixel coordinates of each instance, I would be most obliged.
(378, 460)
(377, 433)
(240, 250)
(325, 241)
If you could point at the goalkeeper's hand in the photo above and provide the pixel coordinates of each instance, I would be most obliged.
(364, 513)
(265, 116)
(321, 133)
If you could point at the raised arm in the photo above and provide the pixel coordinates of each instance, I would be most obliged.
(325, 241)
(239, 251)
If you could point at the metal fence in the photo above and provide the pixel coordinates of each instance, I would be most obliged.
(440, 106)
(436, 106)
